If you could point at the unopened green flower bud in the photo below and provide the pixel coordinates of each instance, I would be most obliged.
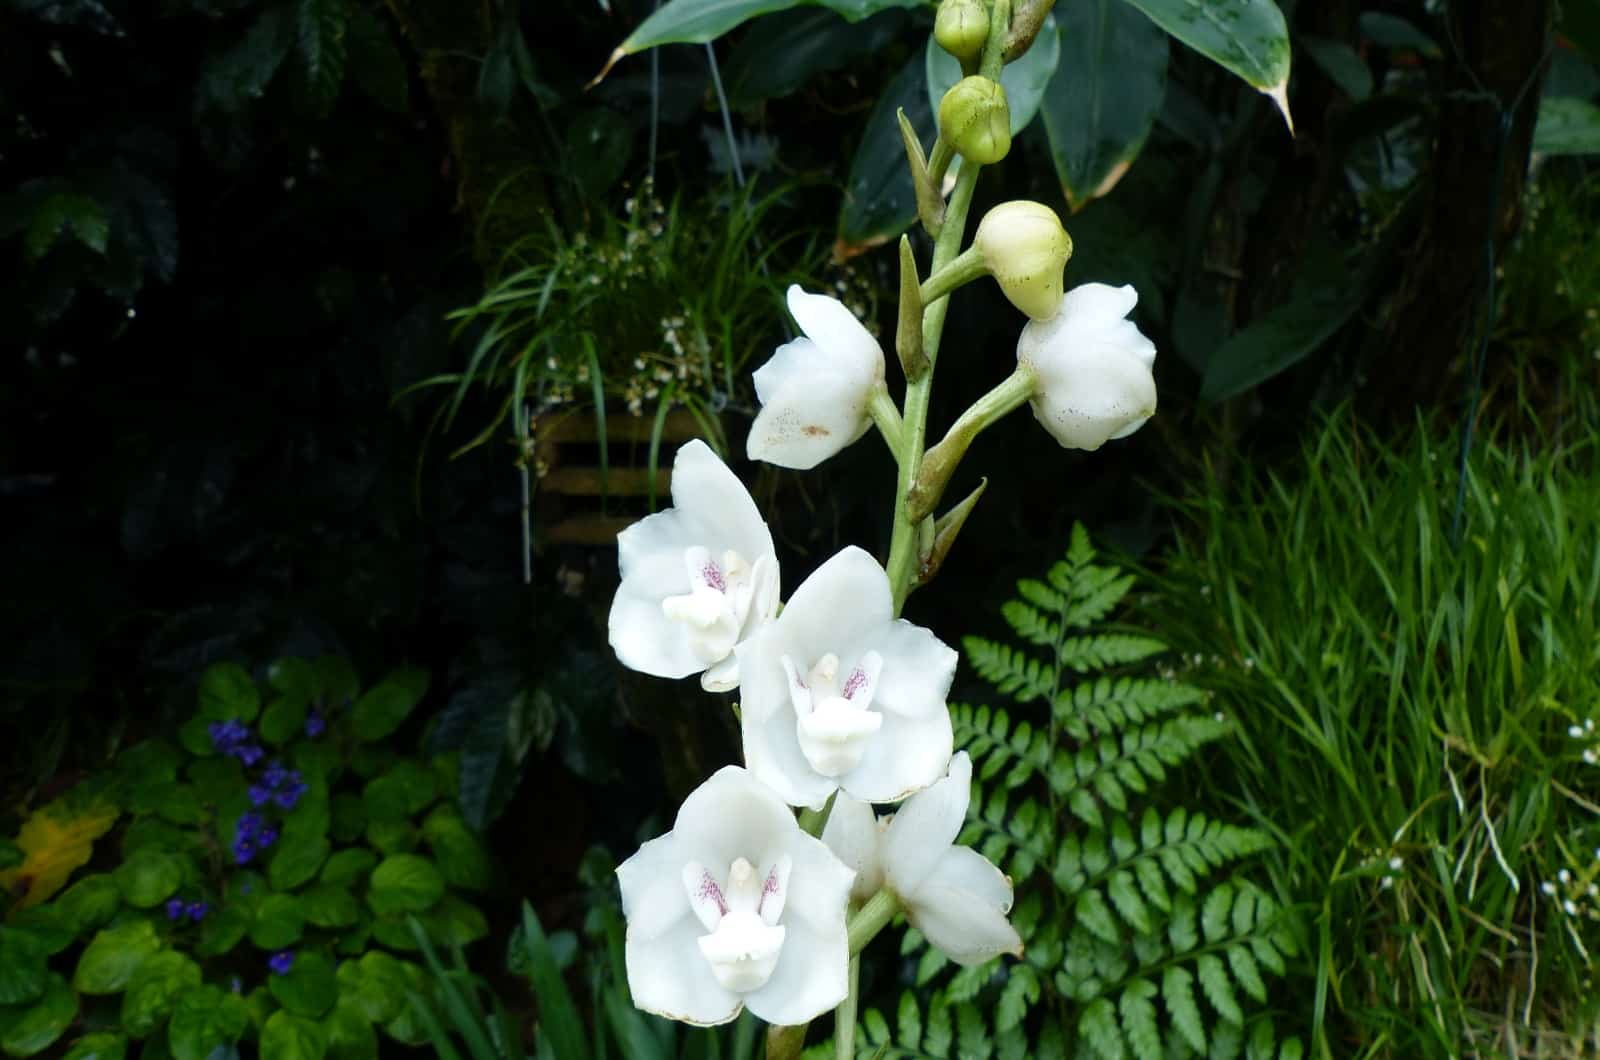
(1026, 250)
(976, 120)
(961, 27)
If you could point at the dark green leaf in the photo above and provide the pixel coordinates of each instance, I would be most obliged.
(349, 867)
(1567, 127)
(379, 712)
(1177, 991)
(308, 989)
(279, 922)
(37, 1027)
(234, 76)
(780, 53)
(204, 1019)
(404, 883)
(296, 859)
(376, 62)
(65, 212)
(228, 693)
(455, 922)
(350, 1035)
(561, 1021)
(330, 906)
(879, 201)
(463, 861)
(1104, 97)
(148, 878)
(375, 984)
(1342, 63)
(1277, 341)
(22, 966)
(284, 719)
(320, 33)
(1246, 37)
(703, 21)
(157, 984)
(49, 926)
(98, 1046)
(113, 955)
(1098, 1025)
(222, 929)
(290, 1037)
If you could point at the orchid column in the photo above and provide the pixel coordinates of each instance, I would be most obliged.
(842, 703)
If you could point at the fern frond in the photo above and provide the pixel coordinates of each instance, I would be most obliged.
(1013, 672)
(1110, 703)
(1086, 654)
(1030, 623)
(1105, 770)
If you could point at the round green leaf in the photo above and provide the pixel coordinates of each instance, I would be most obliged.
(375, 985)
(454, 922)
(336, 680)
(309, 988)
(216, 779)
(295, 678)
(463, 860)
(283, 720)
(113, 955)
(407, 1026)
(152, 833)
(204, 1019)
(90, 903)
(36, 1028)
(349, 867)
(369, 761)
(395, 933)
(349, 817)
(314, 758)
(392, 837)
(22, 966)
(330, 906)
(379, 712)
(290, 1037)
(98, 1046)
(227, 691)
(149, 761)
(222, 929)
(404, 883)
(194, 736)
(279, 922)
(149, 877)
(296, 859)
(350, 1035)
(385, 799)
(155, 989)
(49, 926)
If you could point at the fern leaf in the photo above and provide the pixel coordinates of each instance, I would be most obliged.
(1139, 1019)
(1227, 1041)
(1042, 596)
(1107, 704)
(1214, 913)
(1177, 991)
(1247, 972)
(1099, 1028)
(1096, 590)
(1181, 930)
(1128, 902)
(1030, 623)
(937, 1035)
(1012, 672)
(1093, 913)
(908, 1022)
(1101, 651)
(1218, 987)
(1020, 991)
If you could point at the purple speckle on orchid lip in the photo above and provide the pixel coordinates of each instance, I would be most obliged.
(315, 725)
(197, 911)
(281, 962)
(175, 909)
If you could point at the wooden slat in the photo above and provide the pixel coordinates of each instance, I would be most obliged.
(589, 529)
(580, 427)
(621, 482)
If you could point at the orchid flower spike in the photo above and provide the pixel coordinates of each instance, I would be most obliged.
(1092, 367)
(815, 391)
(735, 906)
(697, 578)
(838, 693)
(951, 894)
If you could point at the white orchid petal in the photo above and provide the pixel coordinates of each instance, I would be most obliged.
(829, 323)
(820, 883)
(722, 676)
(811, 413)
(1098, 301)
(730, 816)
(669, 976)
(653, 896)
(705, 894)
(907, 755)
(964, 869)
(917, 670)
(775, 891)
(707, 489)
(963, 929)
(842, 600)
(923, 829)
(646, 640)
(854, 836)
(812, 975)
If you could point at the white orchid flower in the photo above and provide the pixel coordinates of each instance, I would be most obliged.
(815, 391)
(837, 693)
(735, 906)
(951, 894)
(1092, 367)
(697, 578)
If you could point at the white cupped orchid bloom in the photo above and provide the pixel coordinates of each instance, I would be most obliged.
(837, 693)
(951, 894)
(697, 578)
(736, 906)
(815, 391)
(1092, 367)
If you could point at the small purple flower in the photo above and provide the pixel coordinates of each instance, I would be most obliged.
(259, 796)
(267, 837)
(250, 754)
(197, 911)
(281, 962)
(243, 851)
(290, 795)
(315, 725)
(274, 775)
(175, 908)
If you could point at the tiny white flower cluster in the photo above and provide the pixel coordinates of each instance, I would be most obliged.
(1576, 894)
(1586, 732)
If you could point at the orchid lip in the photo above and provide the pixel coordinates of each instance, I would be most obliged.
(745, 939)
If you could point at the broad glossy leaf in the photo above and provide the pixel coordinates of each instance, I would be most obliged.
(156, 987)
(702, 21)
(204, 1019)
(1247, 37)
(113, 955)
(1567, 126)
(779, 54)
(1104, 97)
(1023, 80)
(879, 201)
(35, 1028)
(404, 883)
(1275, 342)
(1342, 63)
(321, 28)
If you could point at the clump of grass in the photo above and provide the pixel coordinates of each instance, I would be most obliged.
(1414, 718)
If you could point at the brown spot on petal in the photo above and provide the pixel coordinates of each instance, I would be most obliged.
(811, 430)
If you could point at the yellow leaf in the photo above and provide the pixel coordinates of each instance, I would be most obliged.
(56, 839)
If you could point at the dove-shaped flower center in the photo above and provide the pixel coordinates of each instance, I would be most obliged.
(741, 915)
(722, 592)
(832, 718)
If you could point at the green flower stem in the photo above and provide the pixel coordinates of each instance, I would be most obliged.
(903, 551)
(940, 462)
(812, 822)
(881, 407)
(844, 1017)
(968, 266)
(871, 919)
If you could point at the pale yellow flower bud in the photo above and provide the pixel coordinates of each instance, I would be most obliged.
(975, 118)
(1026, 250)
(961, 27)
